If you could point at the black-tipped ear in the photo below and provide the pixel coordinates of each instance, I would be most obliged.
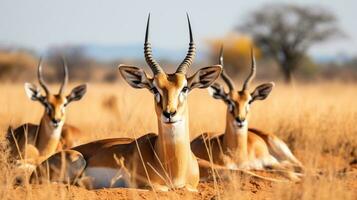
(33, 92)
(77, 93)
(135, 76)
(262, 91)
(204, 77)
(217, 91)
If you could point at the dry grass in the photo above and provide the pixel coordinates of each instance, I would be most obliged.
(317, 121)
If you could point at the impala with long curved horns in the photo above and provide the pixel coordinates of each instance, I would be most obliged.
(240, 147)
(34, 143)
(164, 161)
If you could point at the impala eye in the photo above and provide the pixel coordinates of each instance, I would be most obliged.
(230, 106)
(48, 108)
(156, 94)
(157, 97)
(185, 89)
(154, 90)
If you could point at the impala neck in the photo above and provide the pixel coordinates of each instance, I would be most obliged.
(48, 137)
(236, 139)
(173, 147)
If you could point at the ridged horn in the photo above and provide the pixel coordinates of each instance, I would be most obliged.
(186, 63)
(252, 71)
(40, 77)
(65, 76)
(154, 66)
(224, 75)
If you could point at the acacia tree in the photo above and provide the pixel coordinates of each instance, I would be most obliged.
(285, 32)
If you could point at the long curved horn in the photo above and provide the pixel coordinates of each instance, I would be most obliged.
(224, 75)
(186, 63)
(65, 76)
(252, 71)
(40, 78)
(155, 67)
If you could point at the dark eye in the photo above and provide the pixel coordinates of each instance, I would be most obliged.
(230, 106)
(154, 90)
(156, 94)
(48, 108)
(185, 89)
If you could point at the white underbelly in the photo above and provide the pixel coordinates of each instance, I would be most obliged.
(103, 177)
(253, 164)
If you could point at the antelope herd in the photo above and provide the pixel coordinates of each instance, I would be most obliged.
(162, 161)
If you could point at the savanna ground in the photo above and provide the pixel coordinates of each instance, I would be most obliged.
(318, 121)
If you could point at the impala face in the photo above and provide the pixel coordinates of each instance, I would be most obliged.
(55, 104)
(170, 90)
(239, 102)
(170, 93)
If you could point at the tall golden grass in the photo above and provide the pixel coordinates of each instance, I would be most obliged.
(318, 121)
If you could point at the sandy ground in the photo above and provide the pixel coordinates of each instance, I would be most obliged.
(240, 186)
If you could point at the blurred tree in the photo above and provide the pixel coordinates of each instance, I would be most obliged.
(286, 31)
(236, 52)
(308, 69)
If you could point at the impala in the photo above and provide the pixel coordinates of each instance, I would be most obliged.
(164, 161)
(35, 143)
(240, 147)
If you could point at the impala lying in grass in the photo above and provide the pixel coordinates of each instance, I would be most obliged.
(34, 143)
(240, 147)
(164, 161)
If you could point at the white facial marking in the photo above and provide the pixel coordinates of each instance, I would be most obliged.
(54, 132)
(247, 107)
(172, 120)
(157, 95)
(240, 125)
(57, 131)
(183, 94)
(182, 97)
(157, 98)
(211, 91)
(63, 109)
(177, 130)
(230, 107)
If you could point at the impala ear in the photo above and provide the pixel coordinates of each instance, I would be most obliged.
(134, 76)
(217, 91)
(77, 93)
(204, 77)
(33, 92)
(262, 91)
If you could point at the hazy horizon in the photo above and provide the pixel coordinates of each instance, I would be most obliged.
(41, 24)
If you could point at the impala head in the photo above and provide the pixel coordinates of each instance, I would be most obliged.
(170, 90)
(239, 102)
(54, 104)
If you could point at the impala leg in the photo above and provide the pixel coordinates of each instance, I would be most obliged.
(286, 170)
(65, 167)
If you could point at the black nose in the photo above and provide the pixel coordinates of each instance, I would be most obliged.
(169, 114)
(240, 120)
(56, 121)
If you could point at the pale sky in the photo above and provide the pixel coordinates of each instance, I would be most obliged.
(38, 24)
